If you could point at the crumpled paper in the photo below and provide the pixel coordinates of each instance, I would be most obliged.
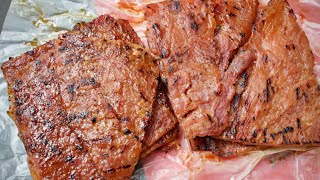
(30, 23)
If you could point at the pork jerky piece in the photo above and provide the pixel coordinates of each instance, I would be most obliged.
(108, 92)
(276, 98)
(195, 41)
(107, 85)
(162, 128)
(163, 119)
(53, 150)
(221, 148)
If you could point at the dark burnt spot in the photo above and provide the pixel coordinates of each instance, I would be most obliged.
(291, 11)
(71, 117)
(79, 147)
(244, 77)
(92, 81)
(126, 167)
(176, 6)
(50, 125)
(255, 133)
(156, 28)
(231, 14)
(38, 62)
(109, 171)
(127, 48)
(31, 53)
(287, 130)
(72, 176)
(235, 101)
(52, 70)
(93, 120)
(70, 88)
(265, 132)
(319, 88)
(136, 137)
(195, 26)
(298, 93)
(273, 136)
(17, 84)
(266, 91)
(83, 115)
(298, 123)
(54, 149)
(19, 101)
(142, 96)
(62, 49)
(19, 111)
(308, 85)
(265, 58)
(126, 132)
(242, 35)
(69, 159)
(164, 81)
(163, 53)
(235, 7)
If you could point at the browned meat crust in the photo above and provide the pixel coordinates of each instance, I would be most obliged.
(276, 99)
(195, 40)
(96, 84)
(163, 119)
(221, 148)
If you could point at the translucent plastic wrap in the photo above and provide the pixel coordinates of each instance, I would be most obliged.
(181, 163)
(32, 22)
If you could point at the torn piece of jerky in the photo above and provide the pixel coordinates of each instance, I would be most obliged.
(163, 119)
(196, 41)
(280, 102)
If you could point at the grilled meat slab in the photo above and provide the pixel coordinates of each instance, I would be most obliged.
(195, 41)
(104, 88)
(274, 92)
(54, 151)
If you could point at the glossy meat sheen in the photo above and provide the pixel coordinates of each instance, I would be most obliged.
(163, 119)
(196, 40)
(276, 98)
(53, 149)
(105, 86)
(219, 147)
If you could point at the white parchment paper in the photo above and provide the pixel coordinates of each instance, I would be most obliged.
(30, 23)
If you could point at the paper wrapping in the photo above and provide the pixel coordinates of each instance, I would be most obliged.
(30, 23)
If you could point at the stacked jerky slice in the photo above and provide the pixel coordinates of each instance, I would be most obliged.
(237, 73)
(82, 102)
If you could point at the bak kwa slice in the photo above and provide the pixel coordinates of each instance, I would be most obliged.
(196, 41)
(163, 127)
(274, 92)
(106, 85)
